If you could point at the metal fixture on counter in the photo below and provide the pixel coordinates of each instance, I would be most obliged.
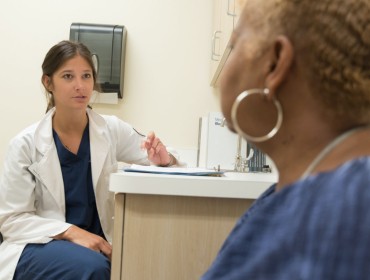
(255, 160)
(241, 164)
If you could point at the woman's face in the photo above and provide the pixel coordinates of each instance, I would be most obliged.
(72, 84)
(243, 69)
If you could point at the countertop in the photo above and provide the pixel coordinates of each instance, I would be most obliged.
(233, 185)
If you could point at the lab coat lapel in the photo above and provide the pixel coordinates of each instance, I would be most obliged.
(46, 166)
(99, 145)
(49, 173)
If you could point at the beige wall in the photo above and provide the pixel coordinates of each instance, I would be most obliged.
(167, 62)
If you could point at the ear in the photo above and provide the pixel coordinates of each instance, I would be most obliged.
(282, 60)
(46, 81)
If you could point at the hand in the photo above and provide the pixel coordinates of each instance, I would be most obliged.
(157, 152)
(89, 240)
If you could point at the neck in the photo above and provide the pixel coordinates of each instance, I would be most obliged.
(322, 156)
(71, 121)
(294, 159)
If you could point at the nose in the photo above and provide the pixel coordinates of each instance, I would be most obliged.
(79, 84)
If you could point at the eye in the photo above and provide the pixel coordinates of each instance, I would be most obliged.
(67, 76)
(87, 76)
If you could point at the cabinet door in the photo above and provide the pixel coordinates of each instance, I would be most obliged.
(226, 15)
(174, 237)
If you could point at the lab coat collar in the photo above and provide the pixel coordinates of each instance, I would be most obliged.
(45, 159)
(44, 133)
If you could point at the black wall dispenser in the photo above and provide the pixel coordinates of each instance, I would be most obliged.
(108, 46)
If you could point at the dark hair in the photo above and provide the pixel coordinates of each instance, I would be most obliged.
(57, 56)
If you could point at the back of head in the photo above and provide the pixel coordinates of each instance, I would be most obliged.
(332, 40)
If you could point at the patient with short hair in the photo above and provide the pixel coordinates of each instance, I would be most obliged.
(297, 85)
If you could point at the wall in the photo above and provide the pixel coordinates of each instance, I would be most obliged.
(167, 62)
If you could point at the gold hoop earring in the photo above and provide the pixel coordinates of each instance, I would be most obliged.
(234, 118)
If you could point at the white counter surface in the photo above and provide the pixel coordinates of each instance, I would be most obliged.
(249, 185)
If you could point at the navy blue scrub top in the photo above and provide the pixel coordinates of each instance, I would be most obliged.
(78, 187)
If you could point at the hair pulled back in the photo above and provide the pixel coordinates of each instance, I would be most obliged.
(57, 56)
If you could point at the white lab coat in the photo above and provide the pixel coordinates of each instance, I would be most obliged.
(32, 202)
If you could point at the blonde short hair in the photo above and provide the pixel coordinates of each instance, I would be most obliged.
(332, 39)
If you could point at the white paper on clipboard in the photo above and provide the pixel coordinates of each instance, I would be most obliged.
(173, 170)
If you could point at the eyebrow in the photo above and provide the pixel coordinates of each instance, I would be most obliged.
(71, 71)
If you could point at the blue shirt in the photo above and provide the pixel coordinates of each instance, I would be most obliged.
(316, 228)
(78, 187)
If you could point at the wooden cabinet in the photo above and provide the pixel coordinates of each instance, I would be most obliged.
(226, 15)
(170, 237)
(172, 226)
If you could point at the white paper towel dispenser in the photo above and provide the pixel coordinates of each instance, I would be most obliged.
(107, 44)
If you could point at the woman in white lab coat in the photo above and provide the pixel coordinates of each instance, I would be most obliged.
(56, 212)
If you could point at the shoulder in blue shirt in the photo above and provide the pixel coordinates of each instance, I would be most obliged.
(317, 228)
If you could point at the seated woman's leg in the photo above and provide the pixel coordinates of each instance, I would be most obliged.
(61, 259)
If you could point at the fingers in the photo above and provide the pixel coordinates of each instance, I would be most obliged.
(157, 145)
(106, 249)
(88, 240)
(152, 142)
(156, 150)
(151, 135)
(149, 140)
(101, 246)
